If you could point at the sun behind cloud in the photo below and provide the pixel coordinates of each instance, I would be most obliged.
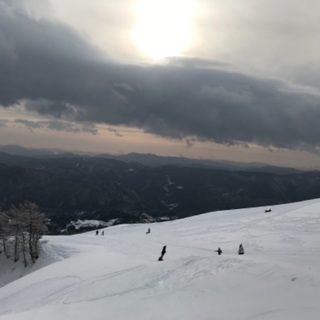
(163, 27)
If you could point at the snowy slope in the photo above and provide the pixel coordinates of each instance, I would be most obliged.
(117, 276)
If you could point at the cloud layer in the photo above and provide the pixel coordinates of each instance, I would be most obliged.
(49, 68)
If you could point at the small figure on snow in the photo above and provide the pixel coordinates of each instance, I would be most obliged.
(163, 252)
(219, 251)
(102, 233)
(240, 250)
(267, 210)
(148, 231)
(97, 232)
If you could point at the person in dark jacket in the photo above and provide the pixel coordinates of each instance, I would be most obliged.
(240, 250)
(219, 251)
(163, 252)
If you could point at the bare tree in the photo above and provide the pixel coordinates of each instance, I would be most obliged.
(4, 233)
(29, 225)
(16, 224)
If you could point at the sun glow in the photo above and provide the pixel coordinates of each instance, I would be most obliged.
(163, 27)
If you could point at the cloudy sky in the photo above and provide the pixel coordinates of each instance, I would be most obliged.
(219, 79)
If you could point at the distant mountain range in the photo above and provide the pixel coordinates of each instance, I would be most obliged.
(151, 160)
(69, 186)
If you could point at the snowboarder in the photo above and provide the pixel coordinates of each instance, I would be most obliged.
(148, 231)
(240, 250)
(219, 251)
(163, 252)
(102, 233)
(97, 232)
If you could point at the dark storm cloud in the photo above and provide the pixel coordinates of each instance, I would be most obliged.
(50, 69)
(29, 124)
(58, 125)
(115, 132)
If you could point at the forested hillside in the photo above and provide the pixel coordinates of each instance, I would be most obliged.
(99, 188)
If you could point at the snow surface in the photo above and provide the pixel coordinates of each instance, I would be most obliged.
(117, 276)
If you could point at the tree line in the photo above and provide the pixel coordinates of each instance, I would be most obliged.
(21, 228)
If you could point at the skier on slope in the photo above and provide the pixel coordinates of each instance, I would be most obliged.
(163, 252)
(240, 250)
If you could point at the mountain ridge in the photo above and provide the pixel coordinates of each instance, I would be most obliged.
(148, 159)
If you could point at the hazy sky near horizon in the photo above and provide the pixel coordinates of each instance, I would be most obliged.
(236, 80)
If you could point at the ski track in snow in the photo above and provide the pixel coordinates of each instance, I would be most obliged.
(118, 274)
